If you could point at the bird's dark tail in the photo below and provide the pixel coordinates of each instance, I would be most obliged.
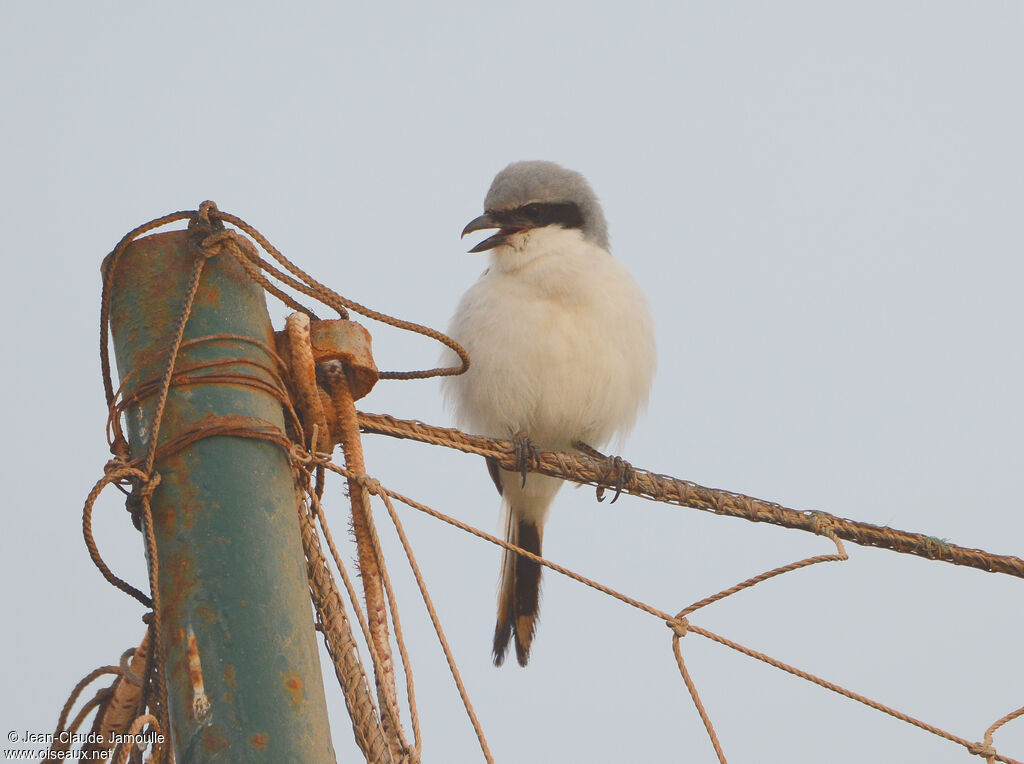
(519, 596)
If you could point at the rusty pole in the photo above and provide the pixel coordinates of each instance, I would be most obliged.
(240, 655)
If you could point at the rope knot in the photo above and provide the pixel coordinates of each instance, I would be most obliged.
(986, 750)
(148, 486)
(371, 485)
(142, 492)
(822, 525)
(216, 243)
(679, 626)
(205, 208)
(204, 221)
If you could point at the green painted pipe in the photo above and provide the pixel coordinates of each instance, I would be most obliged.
(230, 560)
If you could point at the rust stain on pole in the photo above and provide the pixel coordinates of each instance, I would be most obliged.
(200, 702)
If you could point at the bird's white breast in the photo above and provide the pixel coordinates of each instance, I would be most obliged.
(561, 343)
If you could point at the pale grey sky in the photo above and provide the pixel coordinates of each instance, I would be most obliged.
(822, 201)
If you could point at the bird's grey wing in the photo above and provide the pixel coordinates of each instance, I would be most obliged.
(494, 471)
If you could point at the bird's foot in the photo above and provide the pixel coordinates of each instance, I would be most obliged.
(526, 454)
(618, 471)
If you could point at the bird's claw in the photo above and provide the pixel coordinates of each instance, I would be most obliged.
(618, 471)
(621, 475)
(525, 453)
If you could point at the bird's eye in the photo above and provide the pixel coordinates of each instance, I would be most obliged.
(532, 211)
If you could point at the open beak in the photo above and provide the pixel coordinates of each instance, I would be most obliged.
(485, 222)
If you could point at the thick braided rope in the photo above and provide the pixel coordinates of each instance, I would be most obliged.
(372, 567)
(671, 490)
(403, 652)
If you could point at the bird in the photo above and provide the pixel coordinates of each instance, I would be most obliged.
(562, 356)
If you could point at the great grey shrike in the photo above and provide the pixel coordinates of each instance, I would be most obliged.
(562, 353)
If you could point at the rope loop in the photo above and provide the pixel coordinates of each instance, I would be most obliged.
(116, 469)
(299, 456)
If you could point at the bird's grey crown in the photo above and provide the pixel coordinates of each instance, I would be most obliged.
(539, 181)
